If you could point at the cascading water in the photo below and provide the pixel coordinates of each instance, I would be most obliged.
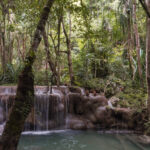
(49, 109)
(66, 107)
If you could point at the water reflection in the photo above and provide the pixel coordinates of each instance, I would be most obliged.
(80, 140)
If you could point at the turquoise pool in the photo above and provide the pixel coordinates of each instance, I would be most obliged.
(79, 140)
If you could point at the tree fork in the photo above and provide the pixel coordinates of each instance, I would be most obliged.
(49, 57)
(25, 90)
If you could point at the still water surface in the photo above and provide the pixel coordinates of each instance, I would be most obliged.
(79, 140)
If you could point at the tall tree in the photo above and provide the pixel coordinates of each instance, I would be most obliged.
(130, 41)
(137, 39)
(148, 57)
(58, 48)
(25, 90)
(4, 9)
(68, 43)
(6, 39)
(146, 7)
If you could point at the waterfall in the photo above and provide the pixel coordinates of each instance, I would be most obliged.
(49, 109)
(64, 108)
(110, 104)
(7, 96)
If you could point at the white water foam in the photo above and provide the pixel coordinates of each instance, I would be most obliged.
(2, 128)
(43, 132)
(110, 104)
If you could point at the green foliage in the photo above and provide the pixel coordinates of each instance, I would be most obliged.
(99, 45)
(40, 78)
(147, 127)
(132, 96)
(11, 75)
(110, 86)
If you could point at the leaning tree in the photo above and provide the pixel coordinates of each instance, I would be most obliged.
(25, 90)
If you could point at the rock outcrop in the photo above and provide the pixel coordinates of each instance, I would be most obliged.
(71, 107)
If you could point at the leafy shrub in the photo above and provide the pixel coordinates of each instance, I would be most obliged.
(132, 97)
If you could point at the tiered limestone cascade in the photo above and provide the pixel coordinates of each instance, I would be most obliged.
(69, 107)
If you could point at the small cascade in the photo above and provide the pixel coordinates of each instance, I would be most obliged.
(66, 110)
(2, 128)
(110, 104)
(7, 96)
(49, 109)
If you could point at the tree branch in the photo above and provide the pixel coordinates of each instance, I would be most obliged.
(63, 52)
(53, 41)
(145, 8)
(49, 56)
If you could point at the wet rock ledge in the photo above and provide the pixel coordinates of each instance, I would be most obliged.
(72, 108)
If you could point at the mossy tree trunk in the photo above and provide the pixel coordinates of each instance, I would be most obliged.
(25, 90)
(2, 36)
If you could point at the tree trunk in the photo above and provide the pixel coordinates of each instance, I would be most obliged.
(49, 57)
(23, 45)
(25, 91)
(146, 7)
(148, 58)
(148, 63)
(130, 44)
(3, 51)
(58, 50)
(68, 42)
(137, 38)
(11, 51)
(1, 48)
(3, 37)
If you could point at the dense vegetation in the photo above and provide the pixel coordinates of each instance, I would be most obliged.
(99, 45)
(94, 44)
(98, 36)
